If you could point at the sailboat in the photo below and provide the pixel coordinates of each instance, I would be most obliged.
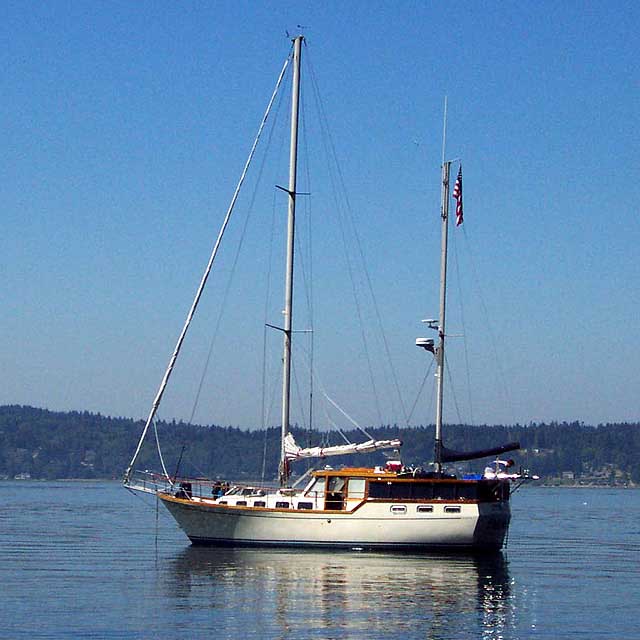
(386, 507)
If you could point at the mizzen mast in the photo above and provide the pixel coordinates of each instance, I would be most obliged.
(439, 353)
(439, 325)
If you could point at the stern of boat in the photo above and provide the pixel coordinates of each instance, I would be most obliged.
(492, 526)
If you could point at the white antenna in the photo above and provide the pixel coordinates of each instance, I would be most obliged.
(444, 130)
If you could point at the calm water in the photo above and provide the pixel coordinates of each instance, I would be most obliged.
(87, 560)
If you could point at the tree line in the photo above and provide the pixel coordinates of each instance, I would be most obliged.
(43, 444)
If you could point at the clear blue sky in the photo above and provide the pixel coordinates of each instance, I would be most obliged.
(125, 126)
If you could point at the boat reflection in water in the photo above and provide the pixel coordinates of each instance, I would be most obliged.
(327, 594)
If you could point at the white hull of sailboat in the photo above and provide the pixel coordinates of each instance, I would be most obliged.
(375, 525)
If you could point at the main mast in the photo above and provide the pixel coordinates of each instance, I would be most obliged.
(446, 166)
(288, 302)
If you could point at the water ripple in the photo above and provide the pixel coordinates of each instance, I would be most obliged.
(88, 560)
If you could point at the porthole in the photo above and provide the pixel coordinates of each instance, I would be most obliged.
(398, 509)
(424, 508)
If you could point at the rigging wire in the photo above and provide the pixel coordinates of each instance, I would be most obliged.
(269, 412)
(157, 518)
(432, 399)
(265, 332)
(230, 279)
(363, 263)
(227, 291)
(298, 394)
(421, 389)
(336, 405)
(164, 468)
(338, 183)
(346, 415)
(359, 314)
(180, 460)
(204, 278)
(307, 273)
(334, 425)
(265, 411)
(453, 390)
(464, 328)
(492, 337)
(145, 502)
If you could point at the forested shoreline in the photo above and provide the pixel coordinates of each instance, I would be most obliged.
(42, 444)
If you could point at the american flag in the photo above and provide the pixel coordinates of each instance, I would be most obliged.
(457, 194)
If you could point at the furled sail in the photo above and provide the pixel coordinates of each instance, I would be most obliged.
(449, 455)
(294, 452)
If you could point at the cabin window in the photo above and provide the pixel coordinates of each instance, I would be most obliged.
(422, 490)
(282, 505)
(317, 488)
(467, 491)
(444, 491)
(259, 503)
(398, 509)
(455, 509)
(241, 503)
(400, 490)
(426, 490)
(424, 508)
(379, 489)
(334, 497)
(305, 505)
(356, 487)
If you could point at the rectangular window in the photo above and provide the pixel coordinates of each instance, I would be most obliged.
(379, 489)
(452, 509)
(305, 505)
(468, 491)
(259, 503)
(422, 491)
(336, 484)
(356, 487)
(317, 488)
(400, 490)
(444, 491)
(282, 505)
(241, 503)
(424, 508)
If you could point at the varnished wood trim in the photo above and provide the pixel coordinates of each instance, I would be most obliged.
(227, 507)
